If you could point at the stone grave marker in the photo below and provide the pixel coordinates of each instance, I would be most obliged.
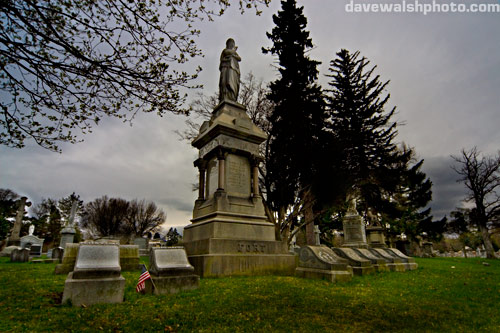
(379, 264)
(397, 263)
(129, 257)
(96, 277)
(320, 262)
(20, 255)
(360, 266)
(57, 253)
(408, 261)
(171, 271)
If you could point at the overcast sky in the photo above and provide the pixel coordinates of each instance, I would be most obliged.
(444, 72)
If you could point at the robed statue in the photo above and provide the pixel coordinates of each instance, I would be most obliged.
(229, 82)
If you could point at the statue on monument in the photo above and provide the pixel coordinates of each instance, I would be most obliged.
(229, 82)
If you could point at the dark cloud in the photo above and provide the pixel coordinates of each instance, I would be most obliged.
(444, 71)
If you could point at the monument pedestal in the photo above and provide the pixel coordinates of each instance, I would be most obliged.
(230, 233)
(67, 236)
(354, 231)
(376, 238)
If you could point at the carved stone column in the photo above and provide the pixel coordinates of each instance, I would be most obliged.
(202, 166)
(221, 157)
(255, 175)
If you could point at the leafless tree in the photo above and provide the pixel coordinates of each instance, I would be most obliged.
(481, 176)
(105, 216)
(143, 217)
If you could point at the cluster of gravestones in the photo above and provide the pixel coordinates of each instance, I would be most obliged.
(340, 264)
(94, 272)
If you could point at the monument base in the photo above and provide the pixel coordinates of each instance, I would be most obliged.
(320, 262)
(214, 265)
(164, 285)
(93, 291)
(323, 274)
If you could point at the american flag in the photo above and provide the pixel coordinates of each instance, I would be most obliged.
(141, 285)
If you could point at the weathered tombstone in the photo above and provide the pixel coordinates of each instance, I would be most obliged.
(428, 250)
(409, 262)
(129, 257)
(20, 255)
(379, 264)
(354, 227)
(97, 276)
(143, 245)
(376, 238)
(68, 260)
(360, 266)
(395, 264)
(171, 271)
(230, 233)
(57, 253)
(320, 262)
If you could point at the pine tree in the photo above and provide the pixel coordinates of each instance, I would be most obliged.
(298, 114)
(362, 132)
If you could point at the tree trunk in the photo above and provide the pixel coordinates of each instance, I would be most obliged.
(465, 252)
(490, 252)
(309, 217)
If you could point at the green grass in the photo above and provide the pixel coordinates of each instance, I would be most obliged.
(433, 298)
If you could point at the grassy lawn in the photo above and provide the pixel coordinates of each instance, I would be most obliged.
(443, 294)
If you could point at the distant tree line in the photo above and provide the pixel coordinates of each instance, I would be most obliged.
(101, 217)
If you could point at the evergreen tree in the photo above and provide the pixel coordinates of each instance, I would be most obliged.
(298, 115)
(362, 133)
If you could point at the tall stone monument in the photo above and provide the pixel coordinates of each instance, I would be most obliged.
(68, 232)
(230, 232)
(354, 227)
(14, 238)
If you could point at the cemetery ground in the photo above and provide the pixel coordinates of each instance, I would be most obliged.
(443, 294)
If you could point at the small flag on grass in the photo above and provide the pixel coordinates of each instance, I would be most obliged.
(141, 285)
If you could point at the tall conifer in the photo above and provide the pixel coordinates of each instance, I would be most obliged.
(298, 115)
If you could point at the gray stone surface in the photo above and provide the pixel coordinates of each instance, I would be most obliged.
(143, 245)
(57, 253)
(409, 262)
(354, 231)
(376, 238)
(20, 255)
(230, 233)
(96, 277)
(379, 264)
(67, 236)
(69, 259)
(129, 257)
(30, 240)
(320, 262)
(394, 263)
(16, 228)
(96, 261)
(93, 291)
(428, 250)
(360, 266)
(171, 271)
